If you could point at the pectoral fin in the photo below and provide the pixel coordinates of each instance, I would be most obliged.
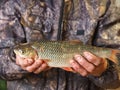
(68, 69)
(46, 60)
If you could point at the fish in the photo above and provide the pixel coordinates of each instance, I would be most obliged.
(59, 53)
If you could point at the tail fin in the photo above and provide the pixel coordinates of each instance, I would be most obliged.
(115, 56)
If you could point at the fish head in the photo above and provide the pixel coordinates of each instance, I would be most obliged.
(25, 51)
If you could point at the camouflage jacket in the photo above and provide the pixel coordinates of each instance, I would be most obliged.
(94, 22)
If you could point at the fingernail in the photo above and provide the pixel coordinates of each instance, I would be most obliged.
(87, 54)
(78, 57)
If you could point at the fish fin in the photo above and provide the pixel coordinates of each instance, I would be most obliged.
(75, 42)
(115, 56)
(68, 69)
(46, 60)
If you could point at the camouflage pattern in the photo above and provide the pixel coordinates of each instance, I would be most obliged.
(108, 30)
(30, 20)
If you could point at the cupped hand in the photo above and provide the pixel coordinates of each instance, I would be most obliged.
(88, 64)
(35, 66)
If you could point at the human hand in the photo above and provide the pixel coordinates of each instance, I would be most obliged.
(35, 66)
(88, 64)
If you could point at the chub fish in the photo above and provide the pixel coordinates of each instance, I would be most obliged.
(58, 53)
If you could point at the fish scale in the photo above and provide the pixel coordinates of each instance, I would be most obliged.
(52, 54)
(58, 53)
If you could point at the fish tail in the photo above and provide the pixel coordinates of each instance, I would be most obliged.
(115, 56)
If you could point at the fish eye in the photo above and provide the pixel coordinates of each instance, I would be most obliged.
(21, 51)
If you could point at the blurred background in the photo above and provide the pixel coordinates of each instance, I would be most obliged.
(3, 85)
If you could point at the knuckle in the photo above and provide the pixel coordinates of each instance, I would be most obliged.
(30, 61)
(37, 63)
(74, 63)
(90, 57)
(82, 61)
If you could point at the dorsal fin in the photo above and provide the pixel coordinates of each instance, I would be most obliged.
(76, 42)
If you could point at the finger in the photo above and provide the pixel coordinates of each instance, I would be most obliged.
(18, 59)
(84, 63)
(78, 68)
(92, 58)
(23, 62)
(43, 67)
(17, 62)
(34, 66)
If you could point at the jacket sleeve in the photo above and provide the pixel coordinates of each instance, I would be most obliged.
(107, 35)
(11, 33)
(109, 79)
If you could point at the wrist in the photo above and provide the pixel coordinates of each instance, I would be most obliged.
(107, 64)
(101, 68)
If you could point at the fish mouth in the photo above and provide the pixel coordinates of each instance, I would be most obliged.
(12, 54)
